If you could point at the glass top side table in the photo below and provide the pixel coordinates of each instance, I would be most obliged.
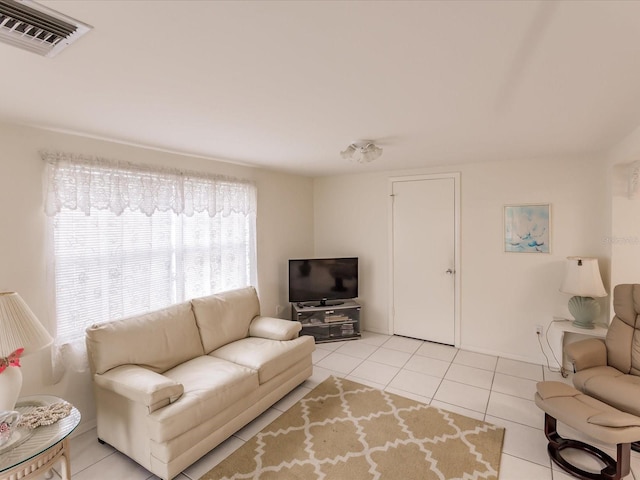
(31, 453)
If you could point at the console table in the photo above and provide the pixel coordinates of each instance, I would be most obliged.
(30, 453)
(561, 326)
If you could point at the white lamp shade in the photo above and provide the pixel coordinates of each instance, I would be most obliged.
(19, 327)
(582, 278)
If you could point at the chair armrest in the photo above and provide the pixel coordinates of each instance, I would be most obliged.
(140, 385)
(587, 354)
(274, 328)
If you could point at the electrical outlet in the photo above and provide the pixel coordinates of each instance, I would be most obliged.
(538, 329)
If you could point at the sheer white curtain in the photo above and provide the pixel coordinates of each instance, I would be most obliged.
(127, 239)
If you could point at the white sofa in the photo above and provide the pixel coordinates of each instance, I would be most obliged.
(171, 385)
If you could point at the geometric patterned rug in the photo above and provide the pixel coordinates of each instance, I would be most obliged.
(343, 430)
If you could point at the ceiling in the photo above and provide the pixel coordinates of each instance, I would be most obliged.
(287, 85)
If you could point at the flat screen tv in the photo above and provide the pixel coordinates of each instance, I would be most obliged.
(324, 281)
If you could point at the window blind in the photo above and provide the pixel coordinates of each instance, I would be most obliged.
(122, 247)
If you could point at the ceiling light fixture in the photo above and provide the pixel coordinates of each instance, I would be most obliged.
(362, 151)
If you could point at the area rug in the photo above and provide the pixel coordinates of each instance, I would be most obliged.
(343, 430)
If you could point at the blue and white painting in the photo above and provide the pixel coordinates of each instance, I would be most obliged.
(526, 228)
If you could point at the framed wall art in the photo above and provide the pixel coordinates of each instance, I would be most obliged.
(527, 228)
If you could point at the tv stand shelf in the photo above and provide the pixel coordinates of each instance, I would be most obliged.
(328, 323)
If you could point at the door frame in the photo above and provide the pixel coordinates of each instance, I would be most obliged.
(456, 248)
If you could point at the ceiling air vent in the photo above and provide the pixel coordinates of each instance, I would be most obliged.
(38, 29)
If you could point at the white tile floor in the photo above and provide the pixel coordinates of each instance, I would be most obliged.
(496, 390)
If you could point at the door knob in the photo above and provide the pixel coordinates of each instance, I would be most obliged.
(450, 271)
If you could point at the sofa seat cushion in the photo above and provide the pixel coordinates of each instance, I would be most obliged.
(210, 385)
(611, 386)
(268, 357)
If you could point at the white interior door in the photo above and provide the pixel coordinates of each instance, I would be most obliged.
(423, 261)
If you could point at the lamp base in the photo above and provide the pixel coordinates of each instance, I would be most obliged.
(585, 310)
(10, 386)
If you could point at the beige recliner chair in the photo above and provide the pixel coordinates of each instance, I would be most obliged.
(609, 369)
(605, 405)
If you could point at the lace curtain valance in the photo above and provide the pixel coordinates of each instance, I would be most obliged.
(78, 182)
(117, 248)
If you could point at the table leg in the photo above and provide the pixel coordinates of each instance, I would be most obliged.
(66, 461)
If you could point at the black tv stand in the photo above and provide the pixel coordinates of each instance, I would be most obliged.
(328, 323)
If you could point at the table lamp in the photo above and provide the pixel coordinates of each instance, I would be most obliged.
(20, 334)
(582, 280)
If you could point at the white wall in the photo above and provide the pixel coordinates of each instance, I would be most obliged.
(625, 213)
(503, 296)
(285, 228)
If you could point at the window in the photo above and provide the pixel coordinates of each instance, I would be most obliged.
(129, 239)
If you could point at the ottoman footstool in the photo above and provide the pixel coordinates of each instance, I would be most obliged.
(563, 403)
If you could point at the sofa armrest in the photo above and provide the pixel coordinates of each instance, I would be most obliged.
(274, 328)
(140, 385)
(587, 353)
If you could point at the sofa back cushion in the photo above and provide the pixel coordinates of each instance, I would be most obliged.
(623, 336)
(225, 317)
(157, 340)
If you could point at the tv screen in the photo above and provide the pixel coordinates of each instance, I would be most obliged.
(323, 280)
